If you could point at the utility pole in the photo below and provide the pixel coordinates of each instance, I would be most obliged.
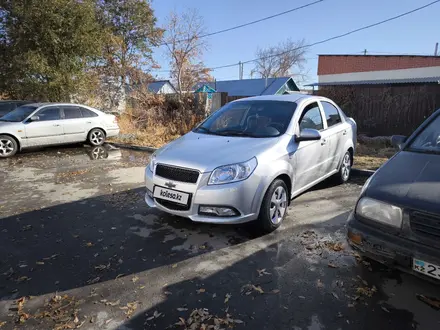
(240, 70)
(365, 52)
(436, 49)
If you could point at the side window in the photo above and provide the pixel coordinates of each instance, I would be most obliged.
(331, 114)
(72, 112)
(52, 113)
(311, 118)
(87, 113)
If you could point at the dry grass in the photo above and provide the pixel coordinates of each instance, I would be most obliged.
(371, 156)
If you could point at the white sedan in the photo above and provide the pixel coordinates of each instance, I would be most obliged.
(43, 124)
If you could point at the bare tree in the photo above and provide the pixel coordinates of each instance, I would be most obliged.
(186, 48)
(285, 59)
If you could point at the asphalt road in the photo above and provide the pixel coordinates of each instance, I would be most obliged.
(80, 249)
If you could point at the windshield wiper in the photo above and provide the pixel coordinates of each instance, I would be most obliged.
(207, 130)
(424, 151)
(235, 133)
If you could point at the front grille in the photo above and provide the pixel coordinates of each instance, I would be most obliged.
(172, 205)
(425, 224)
(177, 173)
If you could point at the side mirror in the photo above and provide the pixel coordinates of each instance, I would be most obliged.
(398, 141)
(308, 134)
(34, 118)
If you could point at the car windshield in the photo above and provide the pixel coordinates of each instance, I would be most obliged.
(19, 114)
(250, 119)
(428, 140)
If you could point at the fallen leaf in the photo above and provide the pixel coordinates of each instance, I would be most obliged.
(182, 309)
(95, 280)
(350, 305)
(262, 272)
(142, 287)
(182, 321)
(135, 279)
(201, 290)
(167, 293)
(431, 301)
(76, 320)
(385, 309)
(301, 297)
(2, 323)
(319, 284)
(157, 314)
(258, 288)
(275, 291)
(238, 321)
(335, 295)
(102, 267)
(214, 295)
(40, 262)
(114, 303)
(227, 297)
(89, 244)
(332, 265)
(23, 278)
(174, 266)
(53, 256)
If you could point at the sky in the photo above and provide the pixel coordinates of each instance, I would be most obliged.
(416, 33)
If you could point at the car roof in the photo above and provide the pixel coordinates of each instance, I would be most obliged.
(292, 97)
(50, 103)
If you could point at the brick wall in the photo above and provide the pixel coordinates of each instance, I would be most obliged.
(334, 64)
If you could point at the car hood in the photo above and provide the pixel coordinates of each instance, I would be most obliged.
(409, 180)
(7, 126)
(205, 152)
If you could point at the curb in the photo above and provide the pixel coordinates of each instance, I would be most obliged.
(364, 173)
(128, 146)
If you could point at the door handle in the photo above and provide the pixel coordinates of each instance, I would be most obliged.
(323, 142)
(56, 125)
(88, 122)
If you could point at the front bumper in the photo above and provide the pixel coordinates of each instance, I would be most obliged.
(244, 196)
(388, 248)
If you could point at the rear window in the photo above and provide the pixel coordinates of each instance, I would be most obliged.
(87, 113)
(72, 112)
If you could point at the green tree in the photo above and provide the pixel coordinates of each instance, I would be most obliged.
(46, 47)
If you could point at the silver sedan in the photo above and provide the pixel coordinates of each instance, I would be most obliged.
(43, 124)
(250, 158)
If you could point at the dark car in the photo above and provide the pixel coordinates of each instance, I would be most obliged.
(397, 217)
(7, 106)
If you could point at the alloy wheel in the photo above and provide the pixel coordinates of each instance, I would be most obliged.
(6, 147)
(278, 205)
(97, 137)
(346, 167)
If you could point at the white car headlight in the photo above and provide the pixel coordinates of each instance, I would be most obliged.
(152, 164)
(379, 211)
(233, 173)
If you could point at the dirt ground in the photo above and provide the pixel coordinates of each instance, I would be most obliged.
(80, 249)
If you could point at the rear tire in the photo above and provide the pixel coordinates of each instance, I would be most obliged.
(96, 137)
(274, 206)
(345, 168)
(8, 146)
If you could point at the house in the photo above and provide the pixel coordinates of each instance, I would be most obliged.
(161, 87)
(249, 87)
(385, 94)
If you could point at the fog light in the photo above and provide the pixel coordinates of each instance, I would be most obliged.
(149, 193)
(218, 211)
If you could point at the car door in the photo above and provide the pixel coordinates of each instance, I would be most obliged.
(335, 134)
(309, 155)
(74, 125)
(47, 129)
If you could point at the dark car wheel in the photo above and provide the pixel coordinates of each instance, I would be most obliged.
(96, 137)
(8, 146)
(345, 169)
(274, 206)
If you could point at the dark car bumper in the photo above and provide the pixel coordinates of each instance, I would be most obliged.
(388, 248)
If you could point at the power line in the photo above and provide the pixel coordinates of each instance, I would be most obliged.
(331, 38)
(249, 23)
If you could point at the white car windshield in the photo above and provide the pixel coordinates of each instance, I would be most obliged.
(250, 119)
(19, 114)
(428, 139)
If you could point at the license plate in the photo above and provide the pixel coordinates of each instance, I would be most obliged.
(171, 195)
(426, 268)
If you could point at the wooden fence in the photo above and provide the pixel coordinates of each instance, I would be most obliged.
(386, 109)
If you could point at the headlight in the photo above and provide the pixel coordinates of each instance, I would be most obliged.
(152, 164)
(379, 211)
(233, 173)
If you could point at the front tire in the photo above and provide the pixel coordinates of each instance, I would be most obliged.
(96, 137)
(274, 206)
(345, 169)
(8, 146)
